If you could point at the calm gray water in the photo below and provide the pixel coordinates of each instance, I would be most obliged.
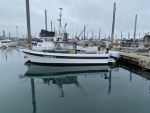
(29, 88)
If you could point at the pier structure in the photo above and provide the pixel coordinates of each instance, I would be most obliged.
(138, 59)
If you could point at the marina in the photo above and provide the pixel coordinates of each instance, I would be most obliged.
(74, 64)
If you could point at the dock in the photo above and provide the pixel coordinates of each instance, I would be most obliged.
(138, 59)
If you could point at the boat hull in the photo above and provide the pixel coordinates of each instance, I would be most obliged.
(10, 44)
(66, 59)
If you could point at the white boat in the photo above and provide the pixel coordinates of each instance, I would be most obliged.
(65, 53)
(8, 43)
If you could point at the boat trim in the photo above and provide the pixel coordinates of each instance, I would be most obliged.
(68, 64)
(65, 57)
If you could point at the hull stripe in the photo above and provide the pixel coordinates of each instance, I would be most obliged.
(65, 57)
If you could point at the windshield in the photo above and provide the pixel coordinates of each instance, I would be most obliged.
(64, 47)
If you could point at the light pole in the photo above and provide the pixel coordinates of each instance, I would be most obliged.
(17, 31)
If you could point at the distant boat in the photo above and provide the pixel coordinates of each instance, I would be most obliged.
(8, 43)
(144, 45)
(146, 41)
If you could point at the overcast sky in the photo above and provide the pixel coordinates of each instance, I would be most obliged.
(94, 14)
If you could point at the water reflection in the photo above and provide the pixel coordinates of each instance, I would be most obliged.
(135, 70)
(33, 95)
(9, 53)
(61, 75)
(58, 75)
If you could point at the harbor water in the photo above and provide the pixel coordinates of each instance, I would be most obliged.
(32, 88)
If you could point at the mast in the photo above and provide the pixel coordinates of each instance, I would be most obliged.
(99, 33)
(60, 19)
(128, 35)
(17, 31)
(121, 40)
(84, 32)
(9, 34)
(3, 33)
(135, 30)
(92, 34)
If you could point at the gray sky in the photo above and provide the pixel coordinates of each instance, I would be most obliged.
(94, 14)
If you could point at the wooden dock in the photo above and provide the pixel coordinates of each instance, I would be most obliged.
(138, 59)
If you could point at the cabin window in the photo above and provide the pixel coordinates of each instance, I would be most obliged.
(66, 47)
(48, 39)
(70, 47)
(60, 47)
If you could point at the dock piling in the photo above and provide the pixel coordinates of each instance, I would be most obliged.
(113, 25)
(28, 22)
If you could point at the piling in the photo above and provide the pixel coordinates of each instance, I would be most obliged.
(28, 22)
(113, 25)
(51, 26)
(45, 20)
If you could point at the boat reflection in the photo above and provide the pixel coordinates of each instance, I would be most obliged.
(9, 53)
(43, 71)
(60, 75)
(66, 75)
